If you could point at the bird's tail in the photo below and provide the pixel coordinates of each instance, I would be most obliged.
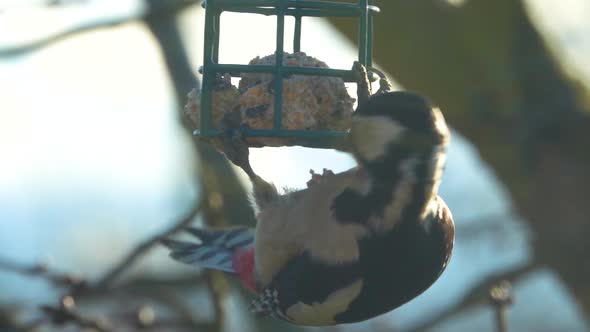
(215, 250)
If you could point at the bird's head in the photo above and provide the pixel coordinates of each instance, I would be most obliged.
(399, 124)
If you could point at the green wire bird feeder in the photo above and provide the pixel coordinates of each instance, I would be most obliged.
(362, 9)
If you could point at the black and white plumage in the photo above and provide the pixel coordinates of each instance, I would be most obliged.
(216, 249)
(360, 243)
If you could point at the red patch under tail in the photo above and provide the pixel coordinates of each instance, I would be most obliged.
(243, 263)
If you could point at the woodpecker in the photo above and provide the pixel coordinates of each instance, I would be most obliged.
(353, 245)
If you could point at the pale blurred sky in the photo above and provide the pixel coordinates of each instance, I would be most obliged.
(566, 25)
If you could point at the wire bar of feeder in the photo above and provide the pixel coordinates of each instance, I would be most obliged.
(363, 4)
(297, 32)
(312, 4)
(278, 72)
(210, 50)
(343, 12)
(308, 138)
(217, 33)
(279, 133)
(235, 70)
(369, 36)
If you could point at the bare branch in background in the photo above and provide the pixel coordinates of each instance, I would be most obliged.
(49, 4)
(55, 3)
(65, 313)
(218, 287)
(478, 294)
(45, 41)
(102, 22)
(41, 4)
(42, 271)
(77, 285)
(501, 298)
(144, 247)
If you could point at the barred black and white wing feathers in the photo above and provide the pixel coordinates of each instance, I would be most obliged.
(215, 248)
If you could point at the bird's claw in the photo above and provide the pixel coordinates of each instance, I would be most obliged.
(235, 147)
(384, 84)
(363, 86)
(363, 89)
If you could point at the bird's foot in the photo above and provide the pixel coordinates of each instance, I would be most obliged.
(234, 146)
(384, 84)
(363, 86)
(318, 178)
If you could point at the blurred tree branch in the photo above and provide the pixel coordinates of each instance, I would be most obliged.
(41, 4)
(36, 45)
(41, 270)
(141, 249)
(65, 311)
(477, 295)
(489, 69)
(157, 7)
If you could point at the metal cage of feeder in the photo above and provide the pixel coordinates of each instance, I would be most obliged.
(363, 9)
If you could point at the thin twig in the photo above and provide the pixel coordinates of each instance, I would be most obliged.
(477, 295)
(501, 299)
(42, 4)
(164, 295)
(44, 41)
(33, 325)
(184, 312)
(34, 270)
(65, 312)
(42, 271)
(80, 286)
(142, 248)
(145, 286)
(218, 288)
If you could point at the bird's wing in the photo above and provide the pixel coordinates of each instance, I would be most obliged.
(215, 248)
(309, 292)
